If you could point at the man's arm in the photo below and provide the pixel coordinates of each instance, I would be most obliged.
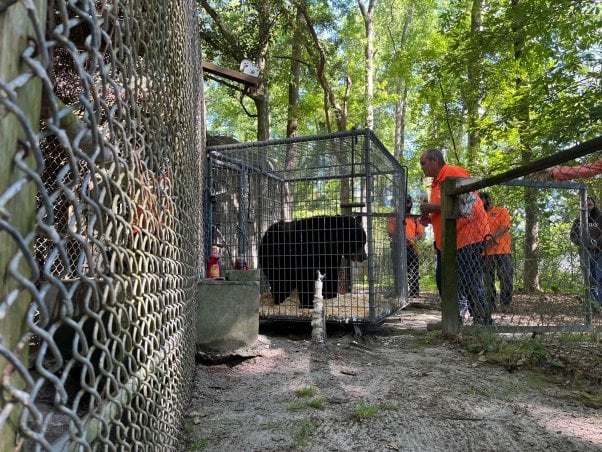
(430, 207)
(562, 173)
(426, 208)
(504, 224)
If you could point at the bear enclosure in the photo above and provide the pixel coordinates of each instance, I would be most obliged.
(297, 206)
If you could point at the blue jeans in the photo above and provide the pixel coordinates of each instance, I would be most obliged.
(469, 260)
(502, 265)
(413, 272)
(595, 275)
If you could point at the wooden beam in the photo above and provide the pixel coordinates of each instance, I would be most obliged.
(19, 208)
(235, 76)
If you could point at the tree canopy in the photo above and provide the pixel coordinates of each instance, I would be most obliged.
(494, 83)
(482, 77)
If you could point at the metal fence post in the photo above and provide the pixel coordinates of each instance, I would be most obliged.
(584, 257)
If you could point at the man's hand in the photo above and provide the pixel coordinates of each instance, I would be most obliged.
(488, 241)
(425, 220)
(429, 207)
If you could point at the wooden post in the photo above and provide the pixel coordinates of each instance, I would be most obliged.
(19, 211)
(449, 265)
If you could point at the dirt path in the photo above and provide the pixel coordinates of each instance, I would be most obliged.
(387, 390)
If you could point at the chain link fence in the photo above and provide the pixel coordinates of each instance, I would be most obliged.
(549, 291)
(100, 222)
(544, 273)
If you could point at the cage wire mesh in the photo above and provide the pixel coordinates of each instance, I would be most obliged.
(296, 207)
(544, 283)
(101, 225)
(552, 285)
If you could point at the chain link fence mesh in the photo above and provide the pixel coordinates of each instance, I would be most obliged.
(100, 222)
(551, 283)
(102, 227)
(546, 281)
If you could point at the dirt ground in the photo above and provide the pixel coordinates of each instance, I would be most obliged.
(389, 389)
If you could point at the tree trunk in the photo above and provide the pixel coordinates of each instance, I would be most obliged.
(293, 105)
(263, 114)
(473, 100)
(368, 15)
(401, 107)
(531, 266)
(294, 79)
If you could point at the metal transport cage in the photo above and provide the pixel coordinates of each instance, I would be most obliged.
(294, 207)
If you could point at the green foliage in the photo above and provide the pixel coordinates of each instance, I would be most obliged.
(364, 410)
(194, 444)
(307, 391)
(525, 80)
(424, 338)
(304, 433)
(317, 402)
(201, 444)
(426, 46)
(224, 115)
(593, 337)
(592, 399)
(496, 349)
(307, 399)
(561, 358)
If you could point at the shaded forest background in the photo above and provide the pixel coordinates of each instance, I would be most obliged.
(494, 83)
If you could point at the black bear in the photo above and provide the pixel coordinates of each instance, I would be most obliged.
(291, 252)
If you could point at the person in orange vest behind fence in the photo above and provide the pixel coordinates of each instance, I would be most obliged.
(471, 228)
(497, 254)
(414, 233)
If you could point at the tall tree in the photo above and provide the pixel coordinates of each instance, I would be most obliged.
(293, 103)
(531, 269)
(400, 82)
(331, 99)
(236, 32)
(295, 75)
(473, 96)
(368, 15)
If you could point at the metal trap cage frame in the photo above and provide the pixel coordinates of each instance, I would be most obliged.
(250, 187)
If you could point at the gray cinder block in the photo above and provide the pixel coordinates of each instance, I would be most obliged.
(227, 315)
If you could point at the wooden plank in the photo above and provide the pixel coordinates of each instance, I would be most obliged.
(15, 30)
(449, 265)
(235, 76)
